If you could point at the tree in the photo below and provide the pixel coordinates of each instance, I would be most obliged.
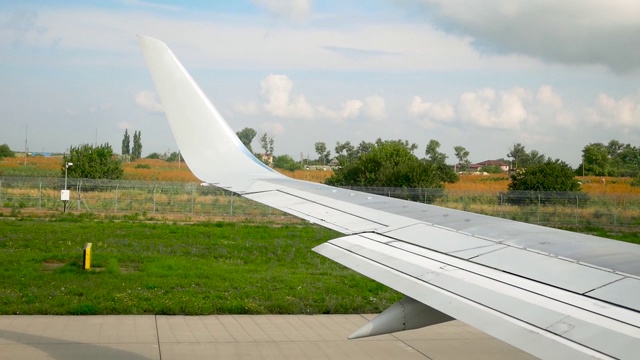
(154, 155)
(389, 163)
(174, 156)
(535, 158)
(364, 147)
(518, 154)
(595, 160)
(266, 143)
(463, 157)
(552, 175)
(91, 162)
(286, 162)
(136, 151)
(523, 159)
(323, 153)
(438, 162)
(126, 144)
(433, 155)
(5, 151)
(629, 161)
(246, 136)
(345, 152)
(410, 146)
(613, 159)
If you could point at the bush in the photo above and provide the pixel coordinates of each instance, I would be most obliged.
(552, 175)
(5, 151)
(91, 162)
(391, 164)
(286, 162)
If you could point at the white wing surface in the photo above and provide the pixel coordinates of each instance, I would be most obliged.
(552, 293)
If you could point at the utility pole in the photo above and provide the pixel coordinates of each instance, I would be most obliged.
(26, 147)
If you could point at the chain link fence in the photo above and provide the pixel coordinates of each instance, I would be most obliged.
(127, 196)
(557, 209)
(148, 197)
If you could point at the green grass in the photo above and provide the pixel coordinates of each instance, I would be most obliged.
(161, 268)
(616, 234)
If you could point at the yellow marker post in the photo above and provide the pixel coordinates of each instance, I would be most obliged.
(86, 260)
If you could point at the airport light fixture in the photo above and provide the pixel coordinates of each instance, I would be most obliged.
(65, 173)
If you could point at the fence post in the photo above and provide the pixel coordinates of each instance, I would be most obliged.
(115, 206)
(155, 186)
(231, 205)
(78, 186)
(193, 195)
(538, 208)
(40, 196)
(577, 208)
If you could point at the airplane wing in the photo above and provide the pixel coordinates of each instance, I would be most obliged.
(552, 293)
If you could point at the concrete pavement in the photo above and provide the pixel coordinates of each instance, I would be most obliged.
(235, 337)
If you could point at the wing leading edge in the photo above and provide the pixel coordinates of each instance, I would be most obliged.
(551, 293)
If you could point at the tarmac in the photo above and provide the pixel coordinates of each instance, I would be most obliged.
(236, 337)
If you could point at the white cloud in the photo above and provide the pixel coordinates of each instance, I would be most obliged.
(568, 31)
(375, 108)
(550, 106)
(289, 9)
(124, 125)
(547, 96)
(280, 102)
(486, 108)
(148, 101)
(349, 110)
(430, 114)
(250, 108)
(610, 112)
(272, 128)
(151, 5)
(250, 42)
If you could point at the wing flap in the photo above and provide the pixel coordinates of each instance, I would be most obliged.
(548, 269)
(538, 342)
(490, 294)
(625, 292)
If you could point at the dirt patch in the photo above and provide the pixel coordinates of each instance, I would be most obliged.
(52, 265)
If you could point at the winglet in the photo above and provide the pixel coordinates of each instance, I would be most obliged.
(209, 146)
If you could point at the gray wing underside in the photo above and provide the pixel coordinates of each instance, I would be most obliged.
(552, 293)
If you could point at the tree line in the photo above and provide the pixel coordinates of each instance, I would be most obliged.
(390, 163)
(393, 163)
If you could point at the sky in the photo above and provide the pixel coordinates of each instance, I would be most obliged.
(554, 76)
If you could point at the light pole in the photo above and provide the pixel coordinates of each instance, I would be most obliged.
(65, 173)
(65, 193)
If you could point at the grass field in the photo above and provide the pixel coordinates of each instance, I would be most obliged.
(164, 268)
(194, 269)
(160, 170)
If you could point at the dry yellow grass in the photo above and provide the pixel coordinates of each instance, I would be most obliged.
(318, 176)
(480, 183)
(498, 183)
(41, 162)
(160, 170)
